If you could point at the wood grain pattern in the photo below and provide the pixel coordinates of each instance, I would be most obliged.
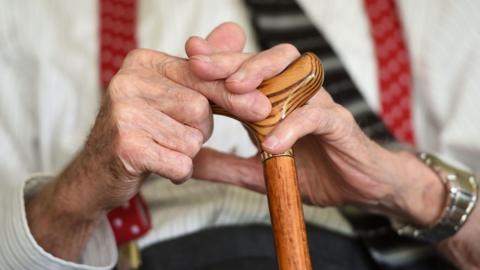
(286, 214)
(287, 91)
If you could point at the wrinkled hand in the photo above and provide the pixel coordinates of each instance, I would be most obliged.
(337, 163)
(154, 118)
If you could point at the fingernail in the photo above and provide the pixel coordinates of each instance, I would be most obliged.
(202, 58)
(271, 142)
(237, 76)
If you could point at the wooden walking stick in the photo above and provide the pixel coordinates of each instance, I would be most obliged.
(287, 91)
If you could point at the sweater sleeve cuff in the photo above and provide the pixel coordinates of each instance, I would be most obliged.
(19, 250)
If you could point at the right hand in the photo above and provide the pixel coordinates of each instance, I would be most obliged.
(154, 118)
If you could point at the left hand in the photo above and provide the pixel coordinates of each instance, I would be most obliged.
(337, 163)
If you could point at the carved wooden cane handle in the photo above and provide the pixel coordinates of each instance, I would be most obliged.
(287, 91)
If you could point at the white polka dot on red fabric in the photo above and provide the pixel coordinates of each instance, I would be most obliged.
(135, 229)
(118, 222)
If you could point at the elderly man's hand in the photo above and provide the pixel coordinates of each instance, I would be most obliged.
(338, 164)
(154, 118)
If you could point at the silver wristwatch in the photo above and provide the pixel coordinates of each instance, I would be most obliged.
(461, 197)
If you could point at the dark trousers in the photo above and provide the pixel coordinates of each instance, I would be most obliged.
(251, 247)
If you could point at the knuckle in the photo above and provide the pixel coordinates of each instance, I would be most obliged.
(199, 108)
(118, 81)
(122, 83)
(344, 113)
(194, 140)
(312, 116)
(137, 54)
(143, 57)
(344, 122)
(122, 114)
(126, 150)
(124, 143)
(189, 141)
(228, 101)
(183, 169)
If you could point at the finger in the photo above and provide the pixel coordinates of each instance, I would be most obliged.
(251, 106)
(234, 66)
(314, 117)
(305, 120)
(170, 164)
(215, 166)
(227, 37)
(141, 152)
(186, 106)
(181, 103)
(141, 57)
(217, 66)
(197, 45)
(164, 130)
(261, 67)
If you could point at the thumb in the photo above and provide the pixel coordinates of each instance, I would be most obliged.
(215, 166)
(227, 37)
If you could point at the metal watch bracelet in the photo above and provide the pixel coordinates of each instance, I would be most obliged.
(461, 197)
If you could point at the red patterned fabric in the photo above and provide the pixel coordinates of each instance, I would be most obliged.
(395, 79)
(117, 35)
(131, 221)
(117, 38)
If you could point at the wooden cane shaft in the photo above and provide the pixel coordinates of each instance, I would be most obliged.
(286, 214)
(287, 91)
